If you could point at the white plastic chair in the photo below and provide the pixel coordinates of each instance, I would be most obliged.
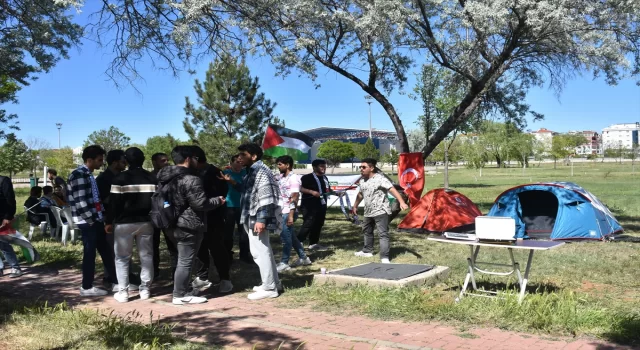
(70, 227)
(62, 228)
(44, 225)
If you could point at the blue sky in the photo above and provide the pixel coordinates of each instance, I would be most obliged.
(78, 94)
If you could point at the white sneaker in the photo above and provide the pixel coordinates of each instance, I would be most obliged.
(16, 272)
(263, 294)
(122, 296)
(385, 261)
(189, 299)
(225, 286)
(317, 247)
(282, 267)
(259, 288)
(301, 262)
(93, 292)
(363, 254)
(200, 284)
(144, 294)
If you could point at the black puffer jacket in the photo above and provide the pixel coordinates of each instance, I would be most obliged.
(188, 195)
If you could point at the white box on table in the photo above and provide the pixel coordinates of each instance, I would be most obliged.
(496, 228)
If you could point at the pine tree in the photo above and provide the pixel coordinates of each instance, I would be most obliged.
(229, 104)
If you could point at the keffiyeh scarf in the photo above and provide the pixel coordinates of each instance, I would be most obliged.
(260, 197)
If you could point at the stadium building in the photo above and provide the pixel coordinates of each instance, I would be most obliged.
(384, 140)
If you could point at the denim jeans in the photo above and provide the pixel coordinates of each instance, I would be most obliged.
(94, 238)
(124, 235)
(381, 222)
(187, 244)
(8, 252)
(289, 239)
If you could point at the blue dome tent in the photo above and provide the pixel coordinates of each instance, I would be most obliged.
(557, 211)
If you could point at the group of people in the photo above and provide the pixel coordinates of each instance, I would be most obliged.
(117, 208)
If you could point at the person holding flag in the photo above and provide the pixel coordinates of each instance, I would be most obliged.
(373, 190)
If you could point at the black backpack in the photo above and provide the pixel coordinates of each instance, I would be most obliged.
(164, 211)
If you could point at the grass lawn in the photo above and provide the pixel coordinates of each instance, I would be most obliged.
(582, 288)
(41, 326)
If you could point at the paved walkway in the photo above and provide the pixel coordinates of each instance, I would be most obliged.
(236, 322)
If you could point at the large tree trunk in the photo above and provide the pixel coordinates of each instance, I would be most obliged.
(446, 166)
(370, 88)
(393, 115)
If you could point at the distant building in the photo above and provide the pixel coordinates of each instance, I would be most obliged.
(545, 136)
(592, 145)
(620, 135)
(384, 140)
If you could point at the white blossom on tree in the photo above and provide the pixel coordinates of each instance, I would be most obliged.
(516, 44)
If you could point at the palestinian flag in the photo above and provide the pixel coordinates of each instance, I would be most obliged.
(9, 235)
(280, 141)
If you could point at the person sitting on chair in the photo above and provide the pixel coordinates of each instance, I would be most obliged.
(34, 208)
(58, 196)
(49, 200)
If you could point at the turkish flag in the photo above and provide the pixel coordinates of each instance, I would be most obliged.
(411, 175)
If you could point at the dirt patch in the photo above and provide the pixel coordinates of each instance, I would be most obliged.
(588, 286)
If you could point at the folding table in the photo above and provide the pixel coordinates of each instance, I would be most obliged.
(474, 249)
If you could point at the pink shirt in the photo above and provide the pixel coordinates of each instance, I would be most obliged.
(288, 186)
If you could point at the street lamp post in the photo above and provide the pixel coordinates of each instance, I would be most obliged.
(369, 98)
(59, 125)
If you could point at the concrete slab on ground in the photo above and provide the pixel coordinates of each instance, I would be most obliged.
(428, 278)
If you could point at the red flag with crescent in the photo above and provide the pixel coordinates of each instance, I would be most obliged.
(411, 175)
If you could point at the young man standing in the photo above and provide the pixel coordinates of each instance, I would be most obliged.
(87, 212)
(315, 191)
(289, 191)
(116, 163)
(189, 199)
(7, 212)
(373, 189)
(56, 180)
(260, 216)
(129, 220)
(159, 161)
(213, 242)
(236, 172)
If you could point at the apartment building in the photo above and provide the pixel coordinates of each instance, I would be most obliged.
(620, 135)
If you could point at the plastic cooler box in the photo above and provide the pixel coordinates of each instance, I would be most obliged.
(497, 228)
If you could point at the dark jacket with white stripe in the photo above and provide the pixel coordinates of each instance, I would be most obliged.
(130, 198)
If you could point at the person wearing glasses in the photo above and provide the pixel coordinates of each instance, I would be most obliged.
(373, 190)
